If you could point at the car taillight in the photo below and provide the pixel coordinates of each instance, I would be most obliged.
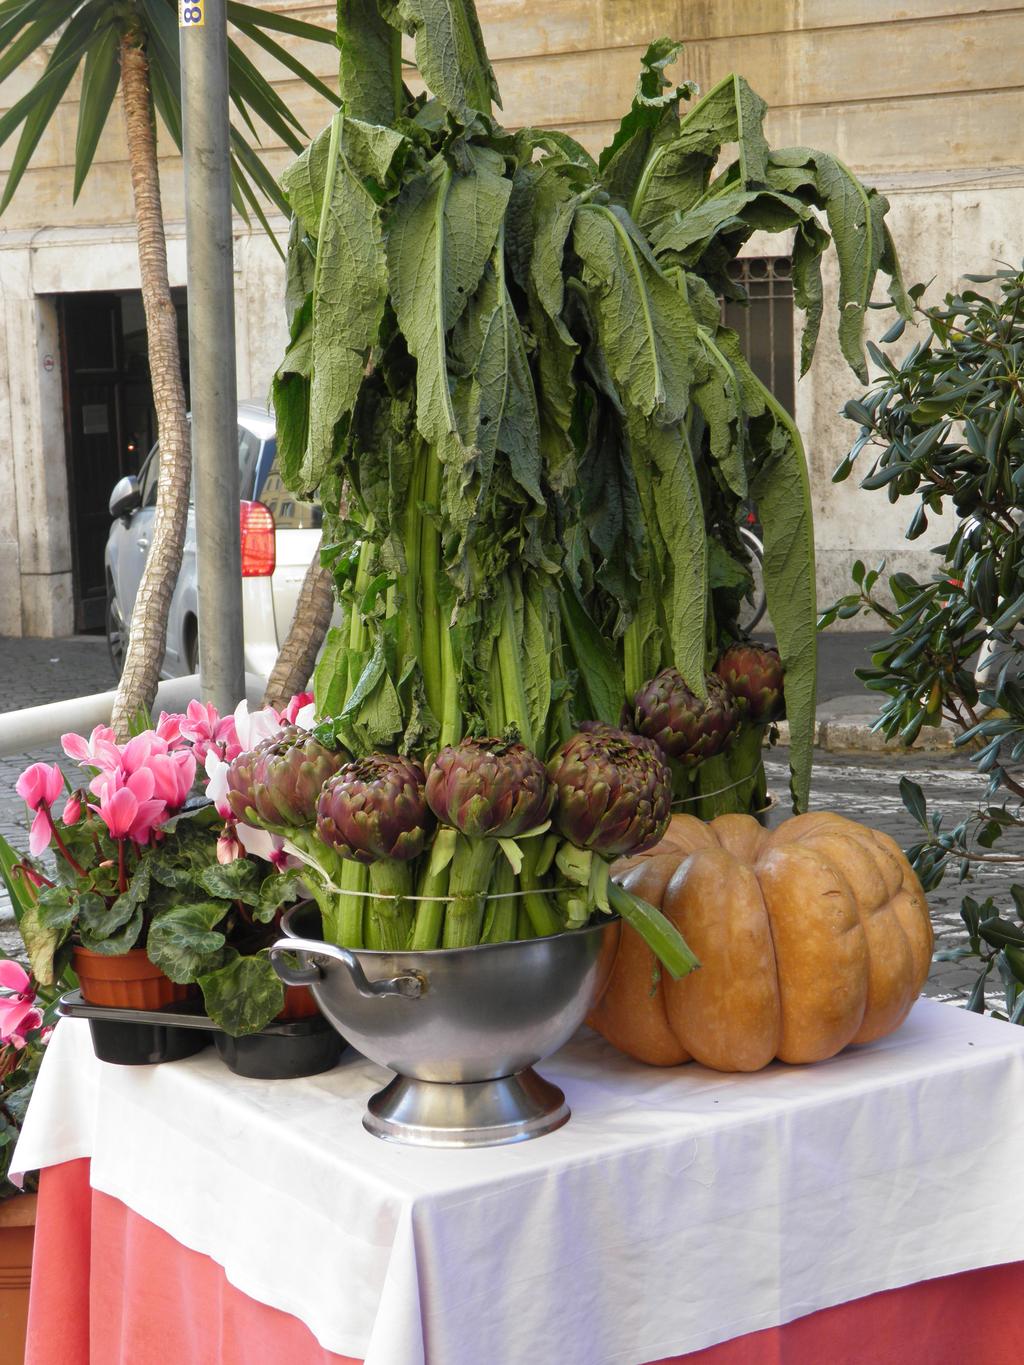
(259, 544)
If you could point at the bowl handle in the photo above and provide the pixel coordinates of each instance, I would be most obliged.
(409, 984)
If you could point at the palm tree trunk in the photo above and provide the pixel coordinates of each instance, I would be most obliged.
(309, 625)
(148, 640)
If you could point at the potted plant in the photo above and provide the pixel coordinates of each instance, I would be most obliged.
(26, 1019)
(151, 897)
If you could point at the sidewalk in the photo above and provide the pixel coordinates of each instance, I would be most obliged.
(847, 710)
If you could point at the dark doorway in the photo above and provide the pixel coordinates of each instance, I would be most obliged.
(109, 422)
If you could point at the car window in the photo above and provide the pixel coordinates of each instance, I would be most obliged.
(290, 513)
(148, 478)
(249, 447)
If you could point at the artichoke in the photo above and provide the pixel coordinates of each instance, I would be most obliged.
(372, 811)
(686, 728)
(276, 785)
(375, 808)
(614, 791)
(489, 787)
(754, 676)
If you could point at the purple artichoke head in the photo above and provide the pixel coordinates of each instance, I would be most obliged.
(614, 791)
(686, 728)
(281, 779)
(754, 676)
(492, 787)
(375, 809)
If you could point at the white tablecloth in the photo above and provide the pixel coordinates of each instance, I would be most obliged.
(676, 1209)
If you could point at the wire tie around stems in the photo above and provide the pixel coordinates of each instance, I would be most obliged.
(702, 796)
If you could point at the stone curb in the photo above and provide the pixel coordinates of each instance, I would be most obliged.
(855, 735)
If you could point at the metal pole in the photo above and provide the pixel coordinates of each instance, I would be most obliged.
(211, 340)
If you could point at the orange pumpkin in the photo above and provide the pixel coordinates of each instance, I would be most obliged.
(811, 936)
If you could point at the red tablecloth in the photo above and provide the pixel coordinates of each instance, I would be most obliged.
(110, 1288)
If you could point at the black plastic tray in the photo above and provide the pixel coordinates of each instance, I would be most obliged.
(284, 1049)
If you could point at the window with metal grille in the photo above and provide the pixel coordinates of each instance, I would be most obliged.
(765, 324)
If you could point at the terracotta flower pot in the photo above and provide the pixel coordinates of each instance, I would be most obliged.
(299, 1003)
(17, 1229)
(128, 981)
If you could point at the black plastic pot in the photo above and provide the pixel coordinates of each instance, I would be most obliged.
(283, 1050)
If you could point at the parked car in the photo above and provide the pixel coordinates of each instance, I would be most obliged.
(279, 537)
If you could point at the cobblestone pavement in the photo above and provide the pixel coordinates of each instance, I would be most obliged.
(860, 786)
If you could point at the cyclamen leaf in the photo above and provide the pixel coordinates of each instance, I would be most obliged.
(244, 995)
(450, 52)
(441, 234)
(647, 331)
(183, 940)
(781, 490)
(238, 880)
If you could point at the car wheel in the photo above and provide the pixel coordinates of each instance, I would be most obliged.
(117, 633)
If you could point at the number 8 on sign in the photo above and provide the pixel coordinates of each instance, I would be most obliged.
(190, 14)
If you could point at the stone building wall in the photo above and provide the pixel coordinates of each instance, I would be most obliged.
(921, 98)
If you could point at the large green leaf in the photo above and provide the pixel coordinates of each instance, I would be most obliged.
(350, 277)
(646, 329)
(652, 120)
(441, 234)
(495, 404)
(370, 67)
(856, 218)
(673, 506)
(676, 172)
(781, 490)
(450, 52)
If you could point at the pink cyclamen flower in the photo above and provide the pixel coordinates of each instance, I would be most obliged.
(168, 727)
(262, 844)
(229, 846)
(298, 704)
(129, 806)
(205, 729)
(217, 783)
(98, 751)
(39, 786)
(72, 812)
(173, 775)
(18, 1014)
(252, 727)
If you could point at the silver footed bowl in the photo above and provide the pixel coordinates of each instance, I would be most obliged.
(461, 1027)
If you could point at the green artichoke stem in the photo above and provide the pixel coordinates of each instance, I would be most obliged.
(428, 924)
(433, 624)
(391, 878)
(501, 915)
(659, 933)
(524, 925)
(343, 919)
(468, 883)
(508, 653)
(537, 905)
